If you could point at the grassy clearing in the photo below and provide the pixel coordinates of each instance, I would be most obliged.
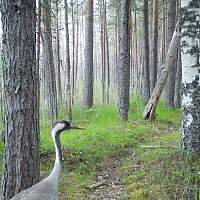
(161, 173)
(152, 174)
(85, 151)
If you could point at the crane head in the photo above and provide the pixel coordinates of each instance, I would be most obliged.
(63, 125)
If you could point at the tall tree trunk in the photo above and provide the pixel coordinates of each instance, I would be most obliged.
(155, 45)
(146, 91)
(116, 36)
(69, 97)
(123, 66)
(131, 54)
(108, 67)
(51, 94)
(59, 87)
(107, 53)
(103, 57)
(178, 82)
(136, 51)
(21, 83)
(73, 50)
(104, 53)
(164, 33)
(190, 77)
(38, 35)
(88, 73)
(1, 87)
(38, 45)
(82, 43)
(170, 85)
(77, 43)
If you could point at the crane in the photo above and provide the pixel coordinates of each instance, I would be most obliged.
(48, 187)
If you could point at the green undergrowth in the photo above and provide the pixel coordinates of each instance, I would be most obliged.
(160, 172)
(85, 150)
(157, 169)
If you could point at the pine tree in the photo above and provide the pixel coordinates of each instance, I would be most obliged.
(123, 65)
(21, 87)
(88, 72)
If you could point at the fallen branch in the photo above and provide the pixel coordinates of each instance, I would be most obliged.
(150, 108)
(196, 172)
(158, 146)
(96, 185)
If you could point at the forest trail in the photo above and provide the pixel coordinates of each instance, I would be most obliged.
(128, 171)
(108, 184)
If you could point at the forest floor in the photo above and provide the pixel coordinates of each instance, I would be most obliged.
(112, 160)
(108, 182)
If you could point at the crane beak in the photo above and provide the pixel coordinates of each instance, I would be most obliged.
(76, 127)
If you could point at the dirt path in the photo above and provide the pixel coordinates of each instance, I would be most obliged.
(108, 184)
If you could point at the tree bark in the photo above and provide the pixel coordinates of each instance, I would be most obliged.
(170, 84)
(21, 86)
(59, 86)
(77, 43)
(73, 51)
(178, 81)
(123, 66)
(103, 54)
(38, 35)
(136, 66)
(164, 32)
(69, 97)
(116, 37)
(107, 53)
(88, 72)
(131, 53)
(190, 77)
(146, 90)
(155, 45)
(50, 79)
(149, 111)
(38, 46)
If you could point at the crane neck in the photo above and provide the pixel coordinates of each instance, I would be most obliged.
(57, 145)
(58, 161)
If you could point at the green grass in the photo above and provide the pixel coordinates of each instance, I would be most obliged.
(85, 151)
(105, 136)
(161, 173)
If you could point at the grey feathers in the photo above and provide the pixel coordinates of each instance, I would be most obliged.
(43, 190)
